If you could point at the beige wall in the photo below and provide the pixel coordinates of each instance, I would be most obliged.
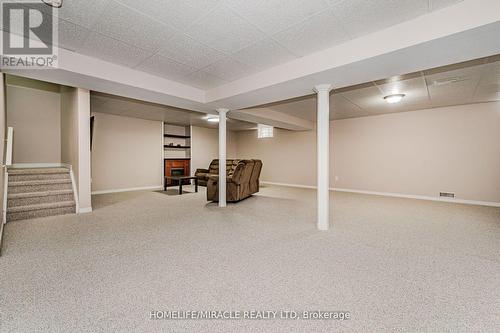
(35, 116)
(454, 149)
(126, 153)
(288, 157)
(205, 146)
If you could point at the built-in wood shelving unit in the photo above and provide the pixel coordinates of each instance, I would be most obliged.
(177, 136)
(176, 141)
(177, 147)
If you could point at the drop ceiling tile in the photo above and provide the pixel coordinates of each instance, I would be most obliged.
(225, 31)
(71, 36)
(112, 50)
(83, 13)
(317, 33)
(186, 50)
(202, 80)
(452, 94)
(366, 98)
(127, 25)
(165, 67)
(414, 89)
(438, 4)
(340, 108)
(490, 73)
(96, 102)
(488, 88)
(444, 91)
(273, 16)
(178, 14)
(487, 93)
(229, 69)
(361, 17)
(264, 54)
(304, 107)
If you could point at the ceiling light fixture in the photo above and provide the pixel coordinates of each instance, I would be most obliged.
(396, 98)
(212, 119)
(53, 3)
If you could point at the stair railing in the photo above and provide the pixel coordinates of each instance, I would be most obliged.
(8, 163)
(10, 142)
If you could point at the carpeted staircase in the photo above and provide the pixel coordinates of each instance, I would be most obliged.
(39, 192)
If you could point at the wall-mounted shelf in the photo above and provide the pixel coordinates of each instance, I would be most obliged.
(177, 147)
(177, 136)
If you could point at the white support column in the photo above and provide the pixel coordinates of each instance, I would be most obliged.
(222, 156)
(84, 164)
(75, 141)
(323, 143)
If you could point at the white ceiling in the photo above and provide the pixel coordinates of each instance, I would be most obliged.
(473, 81)
(476, 81)
(126, 107)
(206, 43)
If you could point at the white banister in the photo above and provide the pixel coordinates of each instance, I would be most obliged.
(5, 188)
(8, 163)
(10, 141)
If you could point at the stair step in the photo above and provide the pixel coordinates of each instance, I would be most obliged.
(37, 176)
(45, 212)
(50, 205)
(38, 194)
(39, 185)
(32, 198)
(31, 171)
(39, 182)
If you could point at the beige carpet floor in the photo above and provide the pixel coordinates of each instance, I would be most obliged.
(398, 265)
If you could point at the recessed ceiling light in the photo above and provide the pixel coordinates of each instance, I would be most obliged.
(53, 3)
(396, 98)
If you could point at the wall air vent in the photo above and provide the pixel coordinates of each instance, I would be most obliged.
(446, 195)
(449, 80)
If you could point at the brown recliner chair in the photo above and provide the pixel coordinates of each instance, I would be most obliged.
(242, 183)
(213, 169)
(254, 179)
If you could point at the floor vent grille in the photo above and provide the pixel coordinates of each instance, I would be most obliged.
(446, 194)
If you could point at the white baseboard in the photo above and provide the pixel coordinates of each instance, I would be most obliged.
(422, 197)
(85, 210)
(129, 189)
(287, 185)
(395, 195)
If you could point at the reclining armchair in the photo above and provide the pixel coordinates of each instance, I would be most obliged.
(213, 169)
(242, 181)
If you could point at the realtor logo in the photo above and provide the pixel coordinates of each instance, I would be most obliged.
(29, 32)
